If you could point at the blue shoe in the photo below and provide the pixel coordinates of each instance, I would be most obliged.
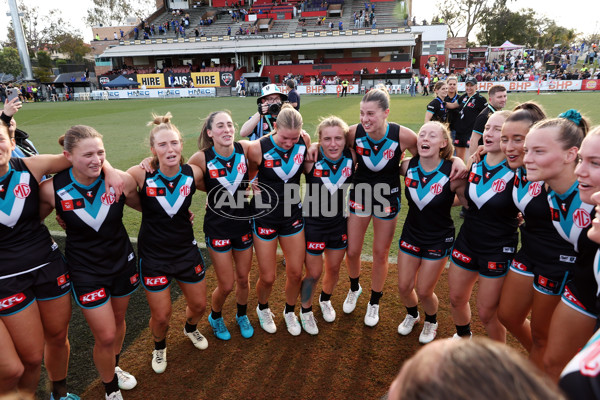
(245, 326)
(219, 328)
(69, 396)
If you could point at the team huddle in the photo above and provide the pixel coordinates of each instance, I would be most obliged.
(532, 173)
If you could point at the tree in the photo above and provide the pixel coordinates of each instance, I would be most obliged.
(464, 15)
(502, 24)
(116, 12)
(10, 63)
(73, 46)
(43, 59)
(551, 34)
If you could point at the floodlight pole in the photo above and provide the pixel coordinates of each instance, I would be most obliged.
(20, 38)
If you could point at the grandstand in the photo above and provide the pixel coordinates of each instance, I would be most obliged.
(271, 39)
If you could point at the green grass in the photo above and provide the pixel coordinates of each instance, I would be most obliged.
(123, 124)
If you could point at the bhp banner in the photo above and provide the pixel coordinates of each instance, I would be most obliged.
(318, 89)
(528, 86)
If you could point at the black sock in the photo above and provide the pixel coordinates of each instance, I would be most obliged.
(289, 308)
(117, 356)
(263, 306)
(112, 386)
(242, 309)
(59, 388)
(413, 311)
(431, 318)
(325, 296)
(306, 310)
(215, 314)
(463, 330)
(375, 296)
(189, 328)
(354, 286)
(160, 345)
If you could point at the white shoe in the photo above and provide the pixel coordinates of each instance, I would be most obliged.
(407, 325)
(159, 360)
(197, 339)
(309, 324)
(327, 310)
(291, 321)
(114, 396)
(126, 380)
(428, 333)
(351, 298)
(265, 319)
(372, 315)
(462, 337)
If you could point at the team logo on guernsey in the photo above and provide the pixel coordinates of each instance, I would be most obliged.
(170, 199)
(285, 164)
(487, 183)
(333, 178)
(422, 189)
(570, 216)
(376, 157)
(11, 208)
(228, 177)
(92, 211)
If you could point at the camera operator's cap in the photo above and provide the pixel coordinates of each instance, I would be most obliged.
(471, 80)
(269, 90)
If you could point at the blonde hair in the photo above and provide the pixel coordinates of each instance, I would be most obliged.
(75, 134)
(569, 134)
(333, 121)
(447, 151)
(159, 123)
(289, 118)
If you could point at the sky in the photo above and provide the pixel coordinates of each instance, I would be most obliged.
(574, 16)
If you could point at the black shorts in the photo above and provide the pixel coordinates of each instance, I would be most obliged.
(435, 251)
(269, 228)
(521, 264)
(156, 275)
(491, 263)
(365, 204)
(580, 296)
(48, 282)
(223, 245)
(94, 291)
(325, 236)
(461, 140)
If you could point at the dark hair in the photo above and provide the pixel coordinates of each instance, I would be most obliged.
(162, 122)
(537, 111)
(75, 134)
(379, 95)
(495, 89)
(291, 84)
(205, 141)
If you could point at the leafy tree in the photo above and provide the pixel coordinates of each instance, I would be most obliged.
(10, 63)
(116, 12)
(551, 34)
(502, 24)
(43, 59)
(73, 46)
(464, 15)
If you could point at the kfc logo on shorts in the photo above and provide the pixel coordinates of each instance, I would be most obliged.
(22, 190)
(460, 256)
(241, 168)
(265, 231)
(11, 301)
(220, 242)
(346, 172)
(499, 185)
(315, 245)
(107, 199)
(93, 296)
(409, 246)
(298, 158)
(156, 281)
(581, 218)
(569, 296)
(519, 266)
(388, 154)
(354, 205)
(133, 279)
(534, 189)
(185, 190)
(436, 189)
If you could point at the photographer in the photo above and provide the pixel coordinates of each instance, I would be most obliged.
(269, 105)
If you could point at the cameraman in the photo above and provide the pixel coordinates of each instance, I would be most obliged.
(263, 121)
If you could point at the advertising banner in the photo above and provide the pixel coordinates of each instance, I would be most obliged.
(175, 93)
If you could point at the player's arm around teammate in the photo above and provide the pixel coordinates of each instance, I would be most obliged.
(278, 158)
(487, 239)
(227, 229)
(428, 232)
(101, 260)
(327, 180)
(166, 246)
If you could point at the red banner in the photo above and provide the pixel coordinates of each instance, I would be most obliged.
(590, 84)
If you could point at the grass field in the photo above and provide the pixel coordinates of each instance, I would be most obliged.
(123, 124)
(363, 360)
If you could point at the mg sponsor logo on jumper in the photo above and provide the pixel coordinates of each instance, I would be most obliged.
(22, 190)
